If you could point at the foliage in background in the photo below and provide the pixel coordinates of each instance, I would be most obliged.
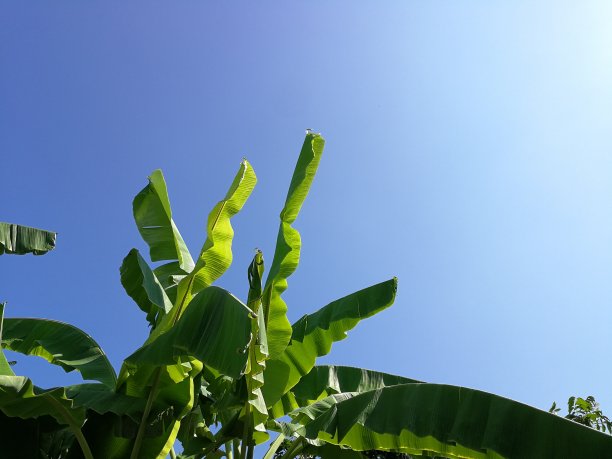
(585, 411)
(217, 375)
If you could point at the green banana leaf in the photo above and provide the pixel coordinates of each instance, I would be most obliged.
(214, 329)
(60, 344)
(325, 380)
(314, 334)
(19, 240)
(153, 217)
(141, 284)
(19, 398)
(113, 418)
(288, 245)
(447, 420)
(216, 254)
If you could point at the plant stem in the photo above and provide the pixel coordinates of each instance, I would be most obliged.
(76, 429)
(228, 451)
(172, 454)
(145, 416)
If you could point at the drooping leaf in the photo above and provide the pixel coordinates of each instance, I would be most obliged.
(288, 244)
(153, 217)
(19, 239)
(19, 398)
(325, 380)
(141, 284)
(60, 344)
(447, 420)
(314, 334)
(214, 329)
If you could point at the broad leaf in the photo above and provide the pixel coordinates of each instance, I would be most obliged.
(447, 420)
(325, 380)
(314, 334)
(60, 344)
(141, 284)
(19, 240)
(288, 245)
(215, 329)
(19, 398)
(154, 220)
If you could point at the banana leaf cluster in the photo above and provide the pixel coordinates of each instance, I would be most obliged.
(218, 376)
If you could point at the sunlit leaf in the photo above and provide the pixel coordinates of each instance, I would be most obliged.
(314, 334)
(447, 420)
(60, 344)
(288, 245)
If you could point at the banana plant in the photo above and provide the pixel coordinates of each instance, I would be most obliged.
(218, 377)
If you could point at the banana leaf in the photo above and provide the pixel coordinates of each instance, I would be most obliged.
(314, 334)
(214, 329)
(288, 245)
(446, 420)
(60, 344)
(325, 380)
(141, 284)
(153, 217)
(216, 254)
(19, 240)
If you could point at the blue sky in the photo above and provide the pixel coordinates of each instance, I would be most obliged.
(468, 153)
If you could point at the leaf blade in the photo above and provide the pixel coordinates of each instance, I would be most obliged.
(153, 216)
(447, 420)
(60, 344)
(288, 245)
(20, 239)
(314, 334)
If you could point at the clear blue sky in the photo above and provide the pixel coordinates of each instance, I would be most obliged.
(468, 153)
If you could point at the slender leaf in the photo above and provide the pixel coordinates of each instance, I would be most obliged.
(215, 329)
(60, 344)
(141, 284)
(314, 334)
(447, 420)
(19, 240)
(154, 220)
(288, 245)
(216, 254)
(255, 413)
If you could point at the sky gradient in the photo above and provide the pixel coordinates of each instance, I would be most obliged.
(468, 153)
